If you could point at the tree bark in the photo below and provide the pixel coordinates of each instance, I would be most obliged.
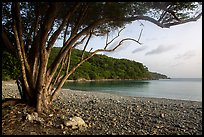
(44, 103)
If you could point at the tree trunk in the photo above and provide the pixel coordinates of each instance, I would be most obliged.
(43, 101)
(40, 100)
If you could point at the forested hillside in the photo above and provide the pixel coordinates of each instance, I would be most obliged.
(96, 68)
(104, 67)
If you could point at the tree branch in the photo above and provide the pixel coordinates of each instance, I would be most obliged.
(18, 26)
(45, 27)
(59, 72)
(58, 31)
(82, 56)
(164, 12)
(22, 61)
(69, 44)
(184, 21)
(48, 21)
(7, 43)
(80, 42)
(114, 37)
(166, 25)
(82, 12)
(65, 33)
(68, 60)
(140, 35)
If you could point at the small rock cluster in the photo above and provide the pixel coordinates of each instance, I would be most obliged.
(75, 122)
(34, 117)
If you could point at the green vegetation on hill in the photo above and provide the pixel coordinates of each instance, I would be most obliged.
(96, 68)
(156, 75)
(104, 67)
(10, 66)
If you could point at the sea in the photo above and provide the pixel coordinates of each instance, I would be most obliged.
(174, 88)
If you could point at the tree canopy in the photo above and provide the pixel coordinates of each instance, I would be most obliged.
(114, 15)
(31, 29)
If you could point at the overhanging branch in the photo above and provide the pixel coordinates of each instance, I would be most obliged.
(166, 25)
(107, 43)
(7, 43)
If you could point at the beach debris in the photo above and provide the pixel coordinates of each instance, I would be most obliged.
(75, 122)
(34, 117)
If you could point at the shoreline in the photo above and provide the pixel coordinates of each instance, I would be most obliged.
(13, 86)
(112, 95)
(98, 80)
(112, 114)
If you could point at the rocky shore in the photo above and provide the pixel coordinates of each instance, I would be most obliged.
(106, 114)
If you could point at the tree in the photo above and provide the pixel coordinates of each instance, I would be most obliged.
(11, 66)
(31, 29)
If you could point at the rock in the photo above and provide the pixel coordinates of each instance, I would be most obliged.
(94, 101)
(33, 133)
(62, 117)
(75, 121)
(162, 115)
(34, 116)
(159, 126)
(61, 126)
(74, 127)
(113, 133)
(50, 123)
(29, 117)
(41, 120)
(50, 115)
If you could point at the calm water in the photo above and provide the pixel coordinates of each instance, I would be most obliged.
(175, 88)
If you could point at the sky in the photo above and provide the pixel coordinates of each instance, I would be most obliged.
(175, 51)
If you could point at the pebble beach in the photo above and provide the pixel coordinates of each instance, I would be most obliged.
(109, 114)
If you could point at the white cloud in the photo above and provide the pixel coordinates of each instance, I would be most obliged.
(187, 55)
(139, 49)
(160, 49)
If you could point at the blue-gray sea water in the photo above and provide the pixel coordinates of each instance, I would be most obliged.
(175, 88)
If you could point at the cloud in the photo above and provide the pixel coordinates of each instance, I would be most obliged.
(150, 39)
(139, 49)
(187, 55)
(160, 49)
(177, 64)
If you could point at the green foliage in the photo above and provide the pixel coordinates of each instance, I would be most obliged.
(156, 75)
(97, 67)
(104, 67)
(96, 11)
(10, 66)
